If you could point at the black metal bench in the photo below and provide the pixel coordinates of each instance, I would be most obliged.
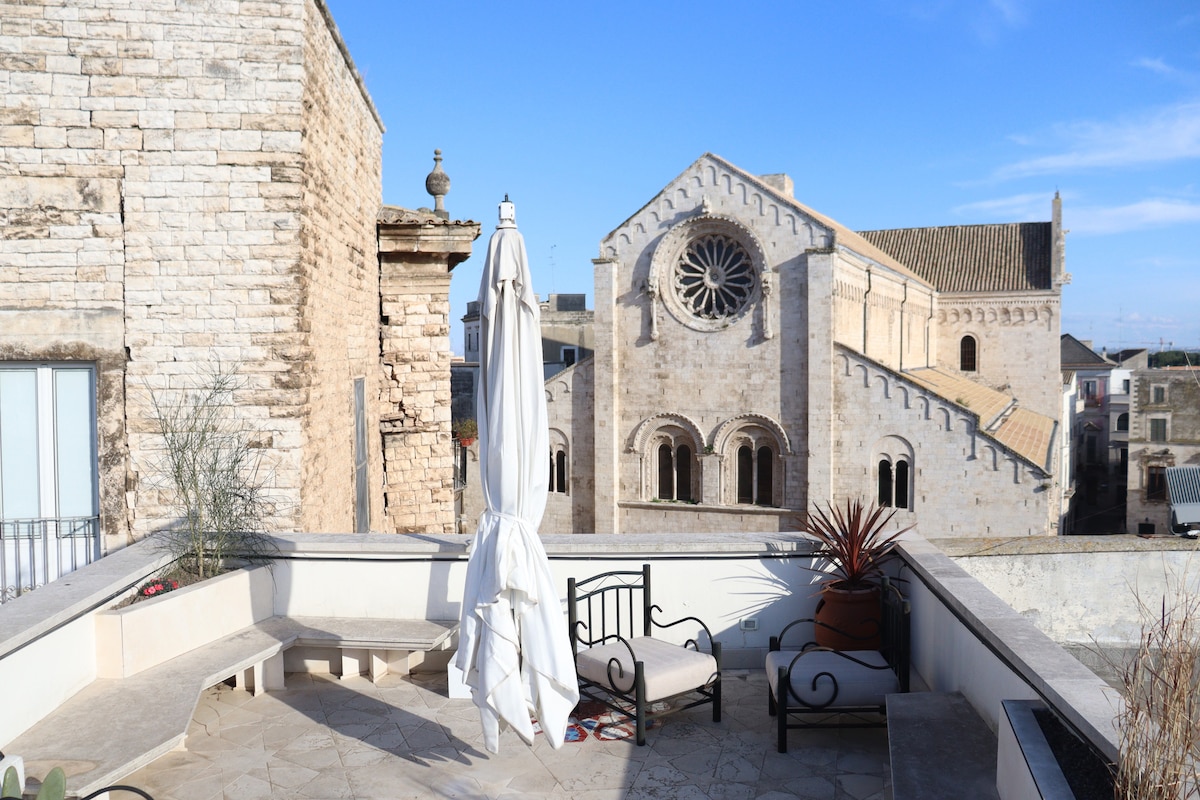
(813, 686)
(620, 663)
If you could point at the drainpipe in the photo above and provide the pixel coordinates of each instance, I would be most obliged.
(928, 328)
(866, 311)
(902, 304)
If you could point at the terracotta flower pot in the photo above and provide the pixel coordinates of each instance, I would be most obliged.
(855, 613)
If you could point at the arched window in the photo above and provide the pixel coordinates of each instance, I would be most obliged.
(1123, 422)
(745, 474)
(671, 469)
(902, 484)
(894, 475)
(893, 483)
(666, 472)
(674, 472)
(558, 469)
(967, 354)
(765, 485)
(683, 473)
(885, 482)
(755, 468)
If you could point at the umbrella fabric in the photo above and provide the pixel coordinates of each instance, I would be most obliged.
(513, 647)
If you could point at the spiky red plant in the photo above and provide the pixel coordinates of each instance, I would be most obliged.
(853, 540)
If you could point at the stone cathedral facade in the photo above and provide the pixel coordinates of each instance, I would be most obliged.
(754, 356)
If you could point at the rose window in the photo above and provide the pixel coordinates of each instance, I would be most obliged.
(714, 277)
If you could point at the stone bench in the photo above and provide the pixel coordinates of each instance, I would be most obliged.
(940, 748)
(115, 726)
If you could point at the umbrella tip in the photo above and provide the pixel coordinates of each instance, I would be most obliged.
(508, 214)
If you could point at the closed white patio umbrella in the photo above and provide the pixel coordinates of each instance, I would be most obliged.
(513, 648)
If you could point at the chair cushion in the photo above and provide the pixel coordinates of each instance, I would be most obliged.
(670, 668)
(847, 684)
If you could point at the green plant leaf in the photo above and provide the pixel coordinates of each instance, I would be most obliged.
(54, 787)
(12, 784)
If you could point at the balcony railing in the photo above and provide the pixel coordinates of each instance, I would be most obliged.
(34, 552)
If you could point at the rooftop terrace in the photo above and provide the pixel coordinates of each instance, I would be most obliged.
(312, 735)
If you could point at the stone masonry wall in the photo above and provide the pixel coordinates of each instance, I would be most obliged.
(154, 164)
(965, 484)
(417, 252)
(338, 293)
(1017, 343)
(569, 404)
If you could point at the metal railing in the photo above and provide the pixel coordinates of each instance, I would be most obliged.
(34, 552)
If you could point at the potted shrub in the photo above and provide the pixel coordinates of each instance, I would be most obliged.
(465, 430)
(855, 546)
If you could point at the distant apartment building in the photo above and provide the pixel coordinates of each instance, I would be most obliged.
(1164, 431)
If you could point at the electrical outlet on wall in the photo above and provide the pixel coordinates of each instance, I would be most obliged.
(748, 624)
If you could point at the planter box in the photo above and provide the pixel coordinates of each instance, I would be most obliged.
(149, 632)
(1031, 767)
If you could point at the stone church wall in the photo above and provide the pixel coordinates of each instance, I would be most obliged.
(883, 315)
(569, 403)
(964, 483)
(669, 376)
(1017, 347)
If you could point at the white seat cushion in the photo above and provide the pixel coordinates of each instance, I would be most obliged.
(855, 684)
(670, 668)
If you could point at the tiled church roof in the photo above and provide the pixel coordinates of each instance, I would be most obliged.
(1026, 432)
(1014, 257)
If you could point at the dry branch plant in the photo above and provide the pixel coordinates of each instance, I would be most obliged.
(1159, 723)
(215, 476)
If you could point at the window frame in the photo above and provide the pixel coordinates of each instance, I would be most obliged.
(968, 353)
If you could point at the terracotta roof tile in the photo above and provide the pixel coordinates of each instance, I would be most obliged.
(1025, 432)
(987, 403)
(1013, 257)
(1028, 433)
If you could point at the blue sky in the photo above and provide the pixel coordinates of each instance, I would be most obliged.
(885, 114)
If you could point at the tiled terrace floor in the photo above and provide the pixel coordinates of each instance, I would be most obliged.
(322, 738)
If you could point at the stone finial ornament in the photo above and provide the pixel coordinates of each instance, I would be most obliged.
(437, 183)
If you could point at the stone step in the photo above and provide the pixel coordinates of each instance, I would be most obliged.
(940, 748)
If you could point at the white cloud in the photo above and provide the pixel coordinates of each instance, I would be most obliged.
(1169, 134)
(1012, 11)
(1155, 65)
(1018, 207)
(1144, 214)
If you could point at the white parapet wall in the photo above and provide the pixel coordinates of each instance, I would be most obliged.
(967, 639)
(1082, 590)
(745, 586)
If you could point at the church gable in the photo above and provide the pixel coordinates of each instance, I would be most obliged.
(729, 191)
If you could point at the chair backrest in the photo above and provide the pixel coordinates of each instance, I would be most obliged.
(608, 605)
(896, 644)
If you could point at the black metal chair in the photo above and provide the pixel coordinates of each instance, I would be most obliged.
(621, 665)
(812, 686)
